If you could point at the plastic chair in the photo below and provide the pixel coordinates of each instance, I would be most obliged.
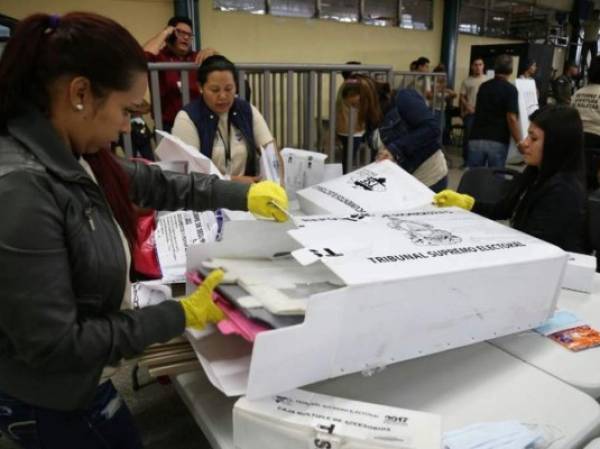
(487, 184)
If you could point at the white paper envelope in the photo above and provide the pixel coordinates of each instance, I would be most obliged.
(269, 163)
(172, 148)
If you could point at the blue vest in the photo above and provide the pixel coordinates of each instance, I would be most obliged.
(207, 122)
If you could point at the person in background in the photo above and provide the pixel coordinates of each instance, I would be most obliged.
(529, 73)
(400, 127)
(591, 27)
(441, 96)
(564, 86)
(226, 129)
(174, 44)
(67, 88)
(422, 83)
(496, 118)
(422, 64)
(548, 200)
(342, 118)
(468, 97)
(367, 114)
(347, 73)
(587, 101)
(530, 70)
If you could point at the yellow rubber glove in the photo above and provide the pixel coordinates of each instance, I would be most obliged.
(447, 198)
(199, 307)
(261, 196)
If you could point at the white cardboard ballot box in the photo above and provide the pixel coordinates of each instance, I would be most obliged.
(412, 283)
(378, 187)
(300, 419)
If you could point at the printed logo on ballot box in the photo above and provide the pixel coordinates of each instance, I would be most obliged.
(369, 181)
(423, 234)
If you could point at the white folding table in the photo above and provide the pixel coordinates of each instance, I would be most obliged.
(465, 385)
(579, 369)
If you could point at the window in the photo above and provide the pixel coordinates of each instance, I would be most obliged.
(253, 6)
(293, 8)
(471, 20)
(411, 14)
(381, 12)
(510, 19)
(497, 24)
(341, 10)
(416, 14)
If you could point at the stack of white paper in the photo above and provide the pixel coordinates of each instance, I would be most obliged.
(175, 233)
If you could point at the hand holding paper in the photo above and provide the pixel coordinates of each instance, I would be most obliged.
(261, 197)
(198, 307)
(447, 198)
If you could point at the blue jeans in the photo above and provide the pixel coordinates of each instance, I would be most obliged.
(106, 424)
(487, 153)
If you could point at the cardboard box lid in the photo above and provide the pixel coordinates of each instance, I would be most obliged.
(363, 249)
(377, 187)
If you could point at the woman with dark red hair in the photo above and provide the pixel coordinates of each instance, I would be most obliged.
(67, 87)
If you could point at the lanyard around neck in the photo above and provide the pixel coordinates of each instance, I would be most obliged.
(226, 145)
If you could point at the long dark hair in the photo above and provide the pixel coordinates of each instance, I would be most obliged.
(44, 48)
(370, 111)
(563, 139)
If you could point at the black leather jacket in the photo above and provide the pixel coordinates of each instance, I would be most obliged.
(63, 266)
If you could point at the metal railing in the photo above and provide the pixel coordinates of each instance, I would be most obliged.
(298, 101)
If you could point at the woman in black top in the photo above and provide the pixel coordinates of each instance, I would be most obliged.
(548, 200)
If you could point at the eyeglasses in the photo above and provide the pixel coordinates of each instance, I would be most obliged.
(182, 33)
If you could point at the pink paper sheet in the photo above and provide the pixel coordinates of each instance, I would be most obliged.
(236, 322)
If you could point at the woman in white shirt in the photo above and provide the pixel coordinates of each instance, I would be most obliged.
(587, 102)
(228, 130)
